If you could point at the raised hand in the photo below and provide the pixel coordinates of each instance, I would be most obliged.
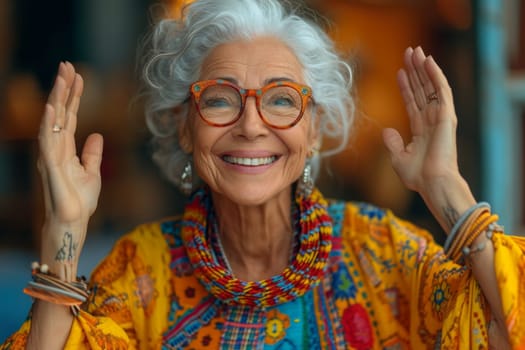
(428, 162)
(71, 184)
(431, 153)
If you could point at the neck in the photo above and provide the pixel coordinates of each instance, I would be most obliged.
(256, 240)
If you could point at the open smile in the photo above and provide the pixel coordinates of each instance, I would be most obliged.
(253, 162)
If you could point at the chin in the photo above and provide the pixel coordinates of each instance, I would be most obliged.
(253, 195)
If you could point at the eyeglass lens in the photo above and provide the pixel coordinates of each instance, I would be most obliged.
(279, 105)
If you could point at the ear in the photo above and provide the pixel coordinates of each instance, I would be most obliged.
(315, 136)
(184, 129)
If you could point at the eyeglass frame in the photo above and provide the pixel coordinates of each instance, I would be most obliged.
(198, 87)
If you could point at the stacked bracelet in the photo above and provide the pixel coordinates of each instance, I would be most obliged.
(469, 251)
(455, 229)
(468, 228)
(48, 287)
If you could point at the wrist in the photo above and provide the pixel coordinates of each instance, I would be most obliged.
(60, 248)
(448, 197)
(66, 271)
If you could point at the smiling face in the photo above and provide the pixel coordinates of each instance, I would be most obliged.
(249, 162)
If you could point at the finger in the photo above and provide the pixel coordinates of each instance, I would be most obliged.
(74, 103)
(418, 59)
(57, 90)
(92, 153)
(438, 79)
(54, 146)
(46, 135)
(407, 92)
(413, 78)
(443, 90)
(411, 105)
(60, 92)
(44, 139)
(394, 143)
(58, 95)
(48, 119)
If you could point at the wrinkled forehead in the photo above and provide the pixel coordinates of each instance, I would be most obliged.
(251, 63)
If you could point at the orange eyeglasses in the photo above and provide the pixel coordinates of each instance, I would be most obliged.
(280, 104)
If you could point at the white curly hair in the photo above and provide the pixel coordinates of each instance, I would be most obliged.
(175, 49)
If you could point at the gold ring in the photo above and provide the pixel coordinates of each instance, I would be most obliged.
(57, 128)
(432, 97)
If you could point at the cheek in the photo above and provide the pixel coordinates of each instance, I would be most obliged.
(205, 138)
(202, 148)
(203, 164)
(300, 141)
(297, 157)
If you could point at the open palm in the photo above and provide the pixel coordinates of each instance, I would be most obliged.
(71, 184)
(431, 153)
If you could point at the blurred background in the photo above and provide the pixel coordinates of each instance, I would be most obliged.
(480, 44)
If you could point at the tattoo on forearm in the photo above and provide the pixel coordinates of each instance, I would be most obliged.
(451, 215)
(68, 249)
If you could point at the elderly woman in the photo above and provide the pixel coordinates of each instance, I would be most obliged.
(241, 94)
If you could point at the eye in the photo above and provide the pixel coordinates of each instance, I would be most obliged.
(216, 102)
(220, 97)
(284, 101)
(281, 97)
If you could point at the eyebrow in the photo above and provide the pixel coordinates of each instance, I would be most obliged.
(266, 82)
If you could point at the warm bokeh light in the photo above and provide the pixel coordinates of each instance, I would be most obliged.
(456, 13)
(176, 6)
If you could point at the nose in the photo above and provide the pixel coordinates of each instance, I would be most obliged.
(250, 125)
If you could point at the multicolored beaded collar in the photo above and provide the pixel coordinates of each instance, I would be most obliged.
(303, 272)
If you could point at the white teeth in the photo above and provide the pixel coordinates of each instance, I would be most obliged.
(250, 161)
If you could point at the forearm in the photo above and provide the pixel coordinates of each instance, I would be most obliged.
(448, 200)
(482, 265)
(50, 326)
(51, 323)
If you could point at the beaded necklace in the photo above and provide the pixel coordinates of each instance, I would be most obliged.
(297, 278)
(215, 241)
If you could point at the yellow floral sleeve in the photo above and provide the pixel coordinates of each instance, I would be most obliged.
(438, 304)
(129, 303)
(509, 259)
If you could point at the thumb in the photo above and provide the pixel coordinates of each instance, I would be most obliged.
(92, 153)
(393, 142)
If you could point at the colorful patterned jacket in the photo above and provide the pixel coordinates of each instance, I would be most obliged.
(387, 286)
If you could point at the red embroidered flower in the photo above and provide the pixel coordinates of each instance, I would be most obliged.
(358, 330)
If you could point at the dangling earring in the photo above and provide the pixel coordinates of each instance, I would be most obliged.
(186, 179)
(305, 184)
